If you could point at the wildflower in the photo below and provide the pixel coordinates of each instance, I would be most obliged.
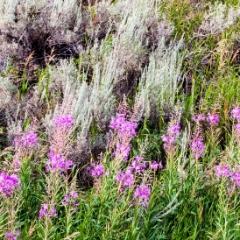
(12, 235)
(47, 211)
(126, 179)
(213, 119)
(155, 165)
(117, 122)
(197, 147)
(174, 129)
(235, 177)
(58, 163)
(237, 127)
(198, 118)
(222, 171)
(143, 194)
(63, 121)
(235, 113)
(29, 139)
(171, 136)
(96, 170)
(8, 183)
(122, 151)
(70, 199)
(138, 165)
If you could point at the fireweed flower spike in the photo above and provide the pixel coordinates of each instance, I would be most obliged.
(58, 163)
(213, 119)
(170, 137)
(155, 165)
(235, 113)
(8, 183)
(199, 118)
(222, 171)
(125, 130)
(12, 235)
(70, 199)
(63, 121)
(96, 170)
(197, 147)
(28, 140)
(47, 211)
(142, 193)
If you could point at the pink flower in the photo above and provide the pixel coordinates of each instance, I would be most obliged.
(213, 119)
(96, 170)
(197, 147)
(143, 194)
(222, 171)
(8, 183)
(63, 121)
(47, 211)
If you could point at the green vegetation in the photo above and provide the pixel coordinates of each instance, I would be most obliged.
(120, 119)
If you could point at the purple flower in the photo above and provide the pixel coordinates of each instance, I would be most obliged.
(63, 121)
(12, 235)
(47, 211)
(70, 199)
(198, 118)
(155, 165)
(96, 170)
(235, 113)
(222, 171)
(8, 183)
(126, 179)
(170, 137)
(122, 151)
(117, 122)
(138, 165)
(29, 139)
(142, 192)
(58, 163)
(197, 147)
(235, 177)
(213, 119)
(237, 127)
(174, 129)
(124, 128)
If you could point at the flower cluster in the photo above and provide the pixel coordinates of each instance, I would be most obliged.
(222, 171)
(142, 193)
(28, 140)
(213, 119)
(155, 165)
(198, 118)
(235, 114)
(233, 176)
(57, 162)
(126, 130)
(197, 147)
(70, 199)
(123, 127)
(96, 170)
(126, 179)
(47, 211)
(12, 235)
(63, 121)
(170, 137)
(8, 183)
(138, 166)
